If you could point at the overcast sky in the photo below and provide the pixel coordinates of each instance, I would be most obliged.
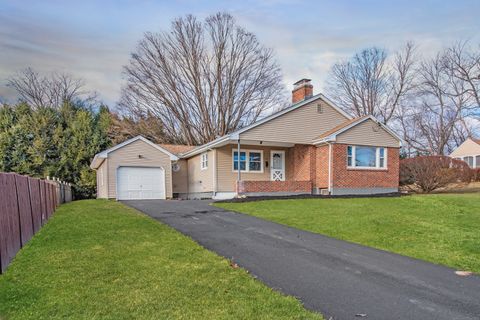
(93, 39)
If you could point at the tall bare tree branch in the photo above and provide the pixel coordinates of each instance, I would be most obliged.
(370, 84)
(201, 79)
(434, 122)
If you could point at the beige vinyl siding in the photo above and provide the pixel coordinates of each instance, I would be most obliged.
(102, 180)
(129, 156)
(180, 178)
(226, 177)
(368, 133)
(299, 126)
(467, 148)
(200, 180)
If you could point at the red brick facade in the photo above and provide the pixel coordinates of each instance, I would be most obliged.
(308, 166)
(321, 169)
(303, 162)
(343, 177)
(274, 186)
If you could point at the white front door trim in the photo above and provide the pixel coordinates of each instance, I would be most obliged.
(277, 173)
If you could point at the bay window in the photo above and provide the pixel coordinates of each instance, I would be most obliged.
(250, 160)
(366, 157)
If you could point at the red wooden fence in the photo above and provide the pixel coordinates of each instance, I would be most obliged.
(25, 205)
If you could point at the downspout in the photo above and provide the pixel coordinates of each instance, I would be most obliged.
(329, 168)
(214, 169)
(188, 179)
(239, 177)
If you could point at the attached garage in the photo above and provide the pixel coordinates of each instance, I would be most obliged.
(135, 169)
(134, 183)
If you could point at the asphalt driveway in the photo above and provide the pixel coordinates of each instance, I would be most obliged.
(339, 279)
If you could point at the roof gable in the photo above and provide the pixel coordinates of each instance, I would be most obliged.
(338, 128)
(98, 158)
(292, 108)
(299, 125)
(335, 132)
(470, 147)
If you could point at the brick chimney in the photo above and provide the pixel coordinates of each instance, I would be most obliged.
(302, 90)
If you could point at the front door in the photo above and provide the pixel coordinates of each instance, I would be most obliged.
(277, 167)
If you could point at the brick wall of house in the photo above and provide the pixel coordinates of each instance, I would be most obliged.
(303, 162)
(308, 168)
(274, 186)
(342, 177)
(321, 177)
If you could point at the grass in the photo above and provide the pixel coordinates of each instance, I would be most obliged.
(441, 228)
(102, 260)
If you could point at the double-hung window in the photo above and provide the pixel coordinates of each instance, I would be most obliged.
(366, 157)
(242, 162)
(254, 161)
(469, 161)
(204, 161)
(249, 161)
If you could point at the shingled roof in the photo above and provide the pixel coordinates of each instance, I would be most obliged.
(176, 149)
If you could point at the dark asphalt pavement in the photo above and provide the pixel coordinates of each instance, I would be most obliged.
(341, 280)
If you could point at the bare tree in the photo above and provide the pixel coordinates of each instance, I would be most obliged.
(48, 91)
(435, 118)
(202, 79)
(371, 84)
(463, 64)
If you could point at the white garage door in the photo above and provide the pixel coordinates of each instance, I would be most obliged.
(134, 183)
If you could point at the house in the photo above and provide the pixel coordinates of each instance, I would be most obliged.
(468, 151)
(310, 147)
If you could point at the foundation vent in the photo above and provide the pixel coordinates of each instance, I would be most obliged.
(324, 192)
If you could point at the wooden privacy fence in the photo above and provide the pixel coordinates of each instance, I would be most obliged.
(25, 206)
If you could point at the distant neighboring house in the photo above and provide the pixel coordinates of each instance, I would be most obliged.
(468, 151)
(310, 147)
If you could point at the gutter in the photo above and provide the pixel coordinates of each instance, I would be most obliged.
(326, 140)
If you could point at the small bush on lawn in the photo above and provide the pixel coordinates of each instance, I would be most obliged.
(476, 174)
(428, 173)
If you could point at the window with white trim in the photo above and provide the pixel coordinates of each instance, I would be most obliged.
(477, 162)
(250, 160)
(204, 161)
(366, 157)
(469, 161)
(381, 158)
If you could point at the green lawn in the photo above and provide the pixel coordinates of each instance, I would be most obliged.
(443, 229)
(101, 260)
